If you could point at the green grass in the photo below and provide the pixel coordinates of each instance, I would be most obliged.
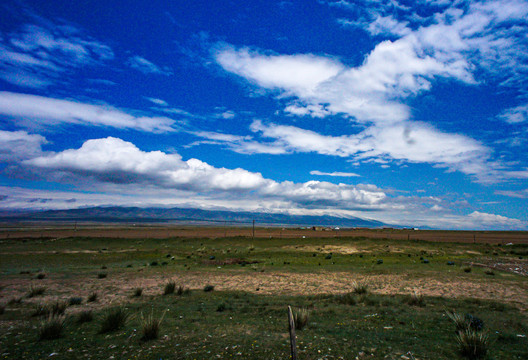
(253, 325)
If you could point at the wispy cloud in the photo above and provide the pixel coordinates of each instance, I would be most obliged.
(37, 57)
(146, 67)
(335, 173)
(34, 111)
(515, 115)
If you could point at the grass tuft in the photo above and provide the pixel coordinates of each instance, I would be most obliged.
(75, 300)
(92, 297)
(300, 318)
(359, 288)
(150, 326)
(52, 327)
(85, 316)
(472, 344)
(170, 287)
(415, 299)
(208, 288)
(36, 291)
(114, 319)
(137, 292)
(102, 275)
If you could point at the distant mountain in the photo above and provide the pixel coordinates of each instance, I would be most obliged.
(162, 215)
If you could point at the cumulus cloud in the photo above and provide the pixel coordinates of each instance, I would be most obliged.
(146, 67)
(493, 220)
(38, 56)
(114, 161)
(32, 110)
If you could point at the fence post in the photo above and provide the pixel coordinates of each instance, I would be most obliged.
(253, 228)
(293, 342)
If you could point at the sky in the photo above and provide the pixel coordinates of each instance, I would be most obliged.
(413, 113)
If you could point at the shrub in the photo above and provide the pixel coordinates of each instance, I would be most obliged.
(379, 261)
(181, 290)
(467, 269)
(221, 307)
(114, 319)
(208, 288)
(76, 300)
(154, 263)
(472, 344)
(138, 292)
(170, 287)
(150, 326)
(102, 275)
(36, 291)
(489, 272)
(359, 287)
(92, 297)
(52, 327)
(41, 276)
(2, 309)
(85, 316)
(300, 318)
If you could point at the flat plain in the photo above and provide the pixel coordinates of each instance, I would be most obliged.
(369, 294)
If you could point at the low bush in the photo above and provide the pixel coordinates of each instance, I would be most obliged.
(208, 288)
(102, 275)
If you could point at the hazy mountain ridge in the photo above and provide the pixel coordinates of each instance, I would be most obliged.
(152, 214)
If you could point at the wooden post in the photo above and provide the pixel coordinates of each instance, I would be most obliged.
(293, 342)
(253, 228)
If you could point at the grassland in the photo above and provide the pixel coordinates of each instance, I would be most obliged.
(411, 285)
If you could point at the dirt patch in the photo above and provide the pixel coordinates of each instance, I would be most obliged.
(119, 287)
(339, 249)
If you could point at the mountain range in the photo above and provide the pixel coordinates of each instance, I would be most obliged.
(186, 215)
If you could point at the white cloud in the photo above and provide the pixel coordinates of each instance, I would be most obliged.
(297, 74)
(335, 173)
(19, 145)
(493, 220)
(32, 110)
(157, 101)
(515, 115)
(37, 57)
(412, 142)
(146, 67)
(114, 161)
(520, 194)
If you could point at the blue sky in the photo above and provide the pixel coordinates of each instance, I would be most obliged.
(408, 112)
